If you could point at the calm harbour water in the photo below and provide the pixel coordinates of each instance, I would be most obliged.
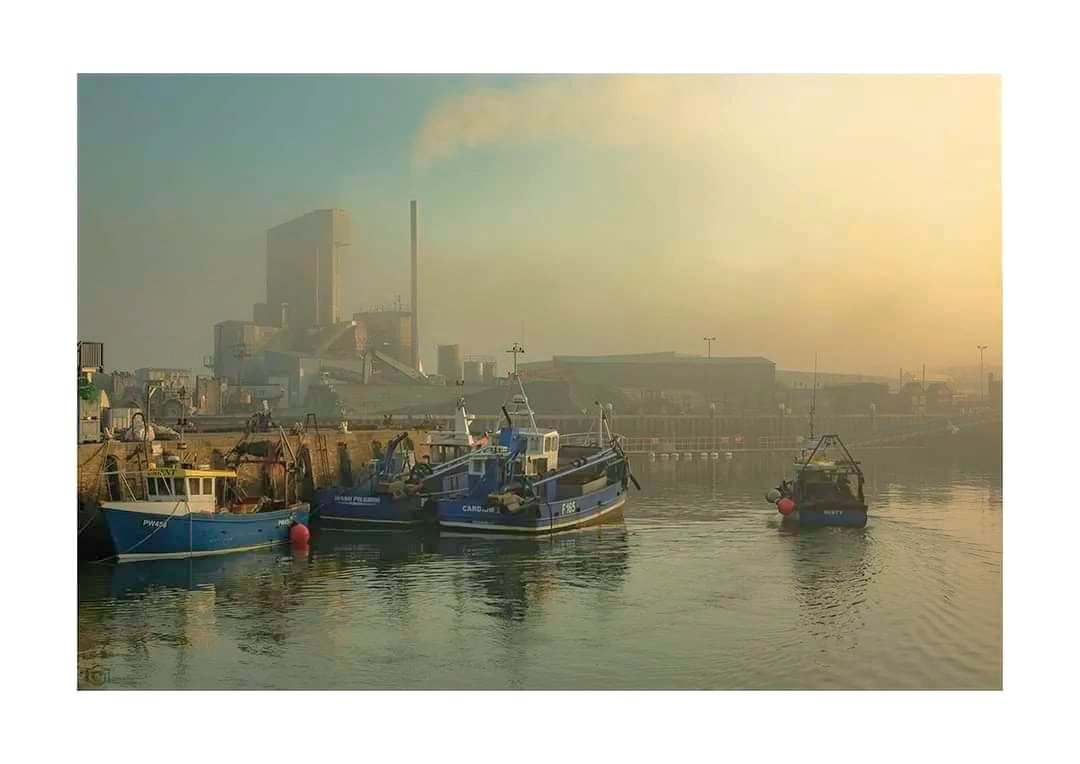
(699, 587)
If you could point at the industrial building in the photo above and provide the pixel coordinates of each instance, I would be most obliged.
(389, 331)
(479, 370)
(303, 270)
(451, 363)
(235, 342)
(298, 348)
(668, 379)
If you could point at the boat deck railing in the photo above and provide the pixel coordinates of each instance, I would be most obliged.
(678, 444)
(580, 439)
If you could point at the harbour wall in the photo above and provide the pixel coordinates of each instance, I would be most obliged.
(750, 426)
(345, 452)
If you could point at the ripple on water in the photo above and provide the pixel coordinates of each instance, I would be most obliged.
(698, 587)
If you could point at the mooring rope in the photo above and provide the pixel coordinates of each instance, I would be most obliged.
(97, 488)
(102, 447)
(87, 524)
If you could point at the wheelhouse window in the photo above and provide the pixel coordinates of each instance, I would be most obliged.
(208, 486)
(151, 487)
(178, 486)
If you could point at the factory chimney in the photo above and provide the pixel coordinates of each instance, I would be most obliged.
(415, 289)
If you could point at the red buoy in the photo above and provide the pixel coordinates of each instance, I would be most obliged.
(299, 534)
(786, 506)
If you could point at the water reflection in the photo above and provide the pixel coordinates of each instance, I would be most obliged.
(517, 573)
(832, 573)
(700, 586)
(131, 608)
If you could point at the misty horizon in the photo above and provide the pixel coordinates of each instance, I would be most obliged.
(853, 217)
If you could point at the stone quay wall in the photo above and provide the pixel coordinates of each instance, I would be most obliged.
(346, 452)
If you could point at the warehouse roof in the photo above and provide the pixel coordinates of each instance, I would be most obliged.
(664, 357)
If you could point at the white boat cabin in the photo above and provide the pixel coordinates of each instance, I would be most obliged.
(202, 490)
(541, 454)
(448, 445)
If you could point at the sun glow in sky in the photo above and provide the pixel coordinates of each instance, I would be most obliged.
(858, 217)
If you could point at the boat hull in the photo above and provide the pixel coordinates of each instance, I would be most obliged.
(138, 535)
(344, 509)
(848, 517)
(470, 515)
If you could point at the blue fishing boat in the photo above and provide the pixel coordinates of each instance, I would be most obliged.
(397, 491)
(196, 512)
(820, 491)
(531, 481)
(385, 495)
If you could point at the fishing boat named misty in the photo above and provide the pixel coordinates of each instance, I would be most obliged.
(820, 491)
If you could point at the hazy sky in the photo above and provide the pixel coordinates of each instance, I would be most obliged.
(858, 217)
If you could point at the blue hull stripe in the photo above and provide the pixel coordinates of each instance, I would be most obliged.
(368, 520)
(846, 518)
(349, 506)
(146, 536)
(457, 520)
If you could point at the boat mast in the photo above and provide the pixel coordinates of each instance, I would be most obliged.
(528, 408)
(813, 399)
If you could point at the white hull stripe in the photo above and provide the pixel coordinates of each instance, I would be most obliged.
(183, 555)
(534, 530)
(369, 520)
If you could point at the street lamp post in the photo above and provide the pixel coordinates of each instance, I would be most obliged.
(708, 369)
(981, 349)
(516, 350)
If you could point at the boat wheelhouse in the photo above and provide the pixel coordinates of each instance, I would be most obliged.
(447, 445)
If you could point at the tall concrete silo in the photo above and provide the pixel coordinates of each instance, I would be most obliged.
(451, 363)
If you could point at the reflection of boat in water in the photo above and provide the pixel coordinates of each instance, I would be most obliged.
(184, 603)
(100, 581)
(611, 535)
(833, 570)
(820, 491)
(516, 571)
(386, 545)
(532, 481)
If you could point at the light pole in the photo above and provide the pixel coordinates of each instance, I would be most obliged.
(708, 369)
(981, 349)
(516, 350)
